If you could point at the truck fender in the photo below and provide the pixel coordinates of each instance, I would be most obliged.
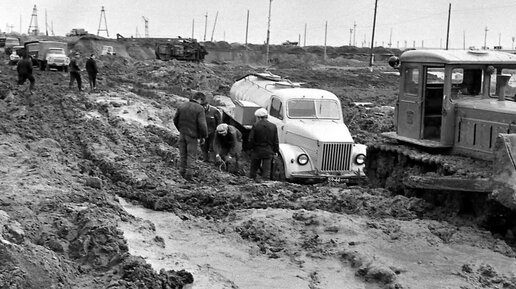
(358, 149)
(289, 154)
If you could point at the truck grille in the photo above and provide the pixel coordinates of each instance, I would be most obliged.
(335, 157)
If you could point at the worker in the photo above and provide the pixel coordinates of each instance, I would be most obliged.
(74, 71)
(24, 69)
(191, 123)
(264, 145)
(91, 68)
(228, 146)
(213, 119)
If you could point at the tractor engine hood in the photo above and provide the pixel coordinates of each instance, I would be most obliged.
(320, 129)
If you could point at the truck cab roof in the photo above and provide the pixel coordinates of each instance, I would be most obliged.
(459, 57)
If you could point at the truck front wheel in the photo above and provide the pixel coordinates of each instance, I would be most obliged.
(278, 169)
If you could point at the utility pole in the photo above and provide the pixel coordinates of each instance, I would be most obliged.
(304, 43)
(500, 39)
(103, 16)
(247, 28)
(52, 27)
(325, 38)
(398, 44)
(268, 34)
(214, 24)
(193, 28)
(390, 39)
(33, 29)
(354, 32)
(372, 37)
(46, 23)
(448, 28)
(350, 35)
(205, 25)
(513, 38)
(485, 38)
(464, 39)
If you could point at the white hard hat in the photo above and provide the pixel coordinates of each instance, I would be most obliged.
(222, 129)
(261, 112)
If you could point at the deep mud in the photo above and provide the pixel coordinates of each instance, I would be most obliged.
(67, 157)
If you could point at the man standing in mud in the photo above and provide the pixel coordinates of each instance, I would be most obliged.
(213, 119)
(91, 68)
(264, 145)
(24, 69)
(190, 120)
(74, 72)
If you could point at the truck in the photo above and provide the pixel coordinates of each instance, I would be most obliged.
(187, 49)
(315, 144)
(77, 32)
(7, 43)
(455, 137)
(48, 54)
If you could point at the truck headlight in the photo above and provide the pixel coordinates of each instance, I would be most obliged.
(360, 159)
(302, 159)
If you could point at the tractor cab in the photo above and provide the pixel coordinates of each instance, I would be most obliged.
(455, 98)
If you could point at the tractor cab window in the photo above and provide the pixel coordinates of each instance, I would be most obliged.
(275, 110)
(503, 81)
(411, 83)
(466, 82)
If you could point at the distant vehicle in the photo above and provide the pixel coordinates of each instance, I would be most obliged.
(289, 43)
(108, 50)
(315, 143)
(77, 32)
(16, 54)
(48, 54)
(187, 49)
(7, 43)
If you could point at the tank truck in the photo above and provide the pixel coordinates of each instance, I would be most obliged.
(315, 144)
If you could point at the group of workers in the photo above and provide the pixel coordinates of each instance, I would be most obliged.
(199, 122)
(24, 69)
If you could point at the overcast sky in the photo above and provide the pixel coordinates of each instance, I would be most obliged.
(422, 22)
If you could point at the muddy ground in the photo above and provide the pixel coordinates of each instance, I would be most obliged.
(90, 195)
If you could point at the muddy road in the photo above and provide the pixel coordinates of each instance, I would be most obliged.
(90, 196)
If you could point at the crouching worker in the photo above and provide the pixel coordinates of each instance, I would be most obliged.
(228, 146)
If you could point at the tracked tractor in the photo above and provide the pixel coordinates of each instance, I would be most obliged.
(455, 126)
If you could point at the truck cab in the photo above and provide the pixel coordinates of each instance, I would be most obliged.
(315, 143)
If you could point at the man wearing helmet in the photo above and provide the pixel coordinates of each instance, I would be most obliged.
(264, 145)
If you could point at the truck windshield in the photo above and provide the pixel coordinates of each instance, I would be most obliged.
(313, 108)
(56, 51)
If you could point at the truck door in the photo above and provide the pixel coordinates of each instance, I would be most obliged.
(276, 116)
(409, 105)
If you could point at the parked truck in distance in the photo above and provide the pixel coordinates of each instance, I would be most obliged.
(315, 144)
(77, 32)
(187, 49)
(7, 43)
(48, 54)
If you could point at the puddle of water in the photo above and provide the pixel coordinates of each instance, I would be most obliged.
(224, 260)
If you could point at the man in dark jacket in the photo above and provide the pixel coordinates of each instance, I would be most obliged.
(74, 71)
(24, 69)
(213, 119)
(191, 123)
(91, 68)
(264, 144)
(228, 145)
